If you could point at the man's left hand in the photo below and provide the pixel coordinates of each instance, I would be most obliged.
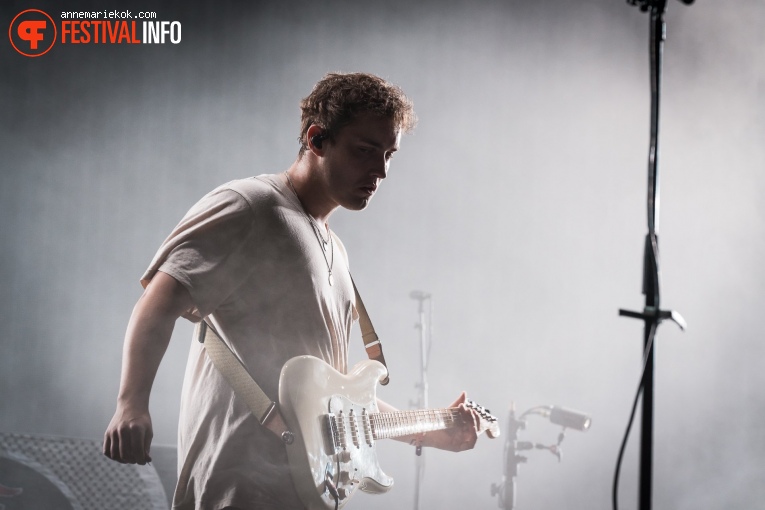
(462, 436)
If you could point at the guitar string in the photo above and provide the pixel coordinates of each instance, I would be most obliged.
(398, 423)
(385, 425)
(402, 422)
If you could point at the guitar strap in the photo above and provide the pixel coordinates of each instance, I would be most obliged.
(245, 387)
(371, 341)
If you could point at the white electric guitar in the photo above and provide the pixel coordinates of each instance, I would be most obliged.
(335, 423)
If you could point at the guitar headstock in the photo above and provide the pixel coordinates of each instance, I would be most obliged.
(488, 422)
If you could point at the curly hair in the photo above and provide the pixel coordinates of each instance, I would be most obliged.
(339, 98)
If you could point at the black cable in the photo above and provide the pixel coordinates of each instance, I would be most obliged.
(337, 496)
(615, 489)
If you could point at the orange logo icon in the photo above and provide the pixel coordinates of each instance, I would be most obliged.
(32, 33)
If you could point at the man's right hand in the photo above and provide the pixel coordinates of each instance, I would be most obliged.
(128, 437)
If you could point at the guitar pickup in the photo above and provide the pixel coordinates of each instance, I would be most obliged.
(368, 432)
(354, 424)
(331, 435)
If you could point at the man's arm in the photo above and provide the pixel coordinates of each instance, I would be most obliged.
(455, 439)
(128, 437)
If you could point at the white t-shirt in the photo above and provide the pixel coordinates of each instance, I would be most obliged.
(251, 261)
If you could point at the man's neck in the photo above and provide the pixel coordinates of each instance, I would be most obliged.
(310, 189)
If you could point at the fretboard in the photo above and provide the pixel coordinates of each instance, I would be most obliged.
(404, 423)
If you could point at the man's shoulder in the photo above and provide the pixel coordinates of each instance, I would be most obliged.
(258, 191)
(257, 185)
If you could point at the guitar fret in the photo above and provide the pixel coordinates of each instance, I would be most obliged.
(403, 423)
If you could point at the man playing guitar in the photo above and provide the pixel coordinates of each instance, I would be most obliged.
(256, 258)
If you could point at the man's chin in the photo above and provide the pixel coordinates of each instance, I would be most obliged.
(357, 205)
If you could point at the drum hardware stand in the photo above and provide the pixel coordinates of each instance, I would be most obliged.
(652, 315)
(425, 327)
(557, 415)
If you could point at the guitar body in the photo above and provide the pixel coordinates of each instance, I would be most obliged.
(333, 452)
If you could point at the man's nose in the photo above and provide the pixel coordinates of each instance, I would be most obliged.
(380, 168)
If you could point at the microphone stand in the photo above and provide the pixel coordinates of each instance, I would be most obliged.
(652, 315)
(506, 490)
(422, 399)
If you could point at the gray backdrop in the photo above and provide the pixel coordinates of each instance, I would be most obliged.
(518, 202)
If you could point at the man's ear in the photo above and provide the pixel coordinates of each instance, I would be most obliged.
(316, 140)
(315, 137)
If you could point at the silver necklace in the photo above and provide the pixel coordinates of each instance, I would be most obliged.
(323, 243)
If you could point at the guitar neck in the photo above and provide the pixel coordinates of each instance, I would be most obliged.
(404, 423)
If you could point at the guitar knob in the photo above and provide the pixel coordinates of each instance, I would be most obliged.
(344, 456)
(344, 478)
